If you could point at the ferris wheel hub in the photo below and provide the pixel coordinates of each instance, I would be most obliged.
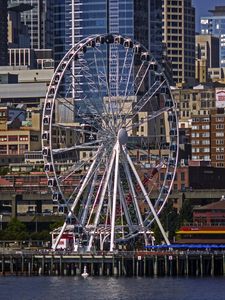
(122, 136)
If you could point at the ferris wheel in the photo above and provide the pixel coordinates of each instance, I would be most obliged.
(110, 140)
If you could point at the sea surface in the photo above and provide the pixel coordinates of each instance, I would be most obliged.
(103, 288)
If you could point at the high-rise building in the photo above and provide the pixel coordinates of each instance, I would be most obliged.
(215, 25)
(3, 33)
(139, 20)
(207, 55)
(18, 36)
(76, 19)
(39, 21)
(179, 38)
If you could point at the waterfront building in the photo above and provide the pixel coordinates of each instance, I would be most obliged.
(39, 21)
(179, 38)
(208, 225)
(215, 25)
(3, 33)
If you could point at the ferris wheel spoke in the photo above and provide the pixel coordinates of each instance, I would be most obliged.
(89, 99)
(100, 83)
(142, 80)
(75, 168)
(138, 77)
(125, 208)
(74, 128)
(122, 100)
(143, 121)
(97, 160)
(110, 108)
(89, 145)
(129, 74)
(144, 100)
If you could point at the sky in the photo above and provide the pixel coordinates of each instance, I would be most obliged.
(202, 7)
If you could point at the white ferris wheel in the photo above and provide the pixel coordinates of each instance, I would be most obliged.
(110, 140)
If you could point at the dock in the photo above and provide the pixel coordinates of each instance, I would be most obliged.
(124, 263)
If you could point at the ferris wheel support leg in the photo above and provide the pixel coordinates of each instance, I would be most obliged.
(127, 171)
(102, 198)
(84, 216)
(89, 174)
(147, 198)
(126, 212)
(114, 197)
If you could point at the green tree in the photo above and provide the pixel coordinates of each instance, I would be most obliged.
(15, 230)
(170, 221)
(186, 212)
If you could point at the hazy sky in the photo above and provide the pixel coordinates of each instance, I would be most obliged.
(202, 7)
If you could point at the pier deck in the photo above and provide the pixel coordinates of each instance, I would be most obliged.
(142, 263)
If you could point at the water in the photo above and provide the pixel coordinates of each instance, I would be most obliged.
(104, 288)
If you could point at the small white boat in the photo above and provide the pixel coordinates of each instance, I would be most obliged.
(85, 274)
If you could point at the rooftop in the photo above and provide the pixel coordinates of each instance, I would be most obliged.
(220, 205)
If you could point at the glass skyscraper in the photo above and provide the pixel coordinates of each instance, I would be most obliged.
(3, 33)
(215, 25)
(76, 19)
(138, 20)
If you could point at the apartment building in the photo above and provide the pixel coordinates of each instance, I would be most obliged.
(179, 38)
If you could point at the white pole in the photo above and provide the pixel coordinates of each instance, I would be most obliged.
(102, 197)
(146, 197)
(83, 186)
(114, 197)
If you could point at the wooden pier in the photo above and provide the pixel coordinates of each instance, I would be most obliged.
(121, 264)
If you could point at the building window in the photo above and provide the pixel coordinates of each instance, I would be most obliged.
(205, 142)
(220, 119)
(3, 138)
(205, 134)
(12, 138)
(34, 138)
(23, 138)
(219, 142)
(182, 176)
(219, 126)
(23, 148)
(205, 127)
(3, 149)
(220, 157)
(13, 149)
(219, 149)
(220, 164)
(219, 134)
